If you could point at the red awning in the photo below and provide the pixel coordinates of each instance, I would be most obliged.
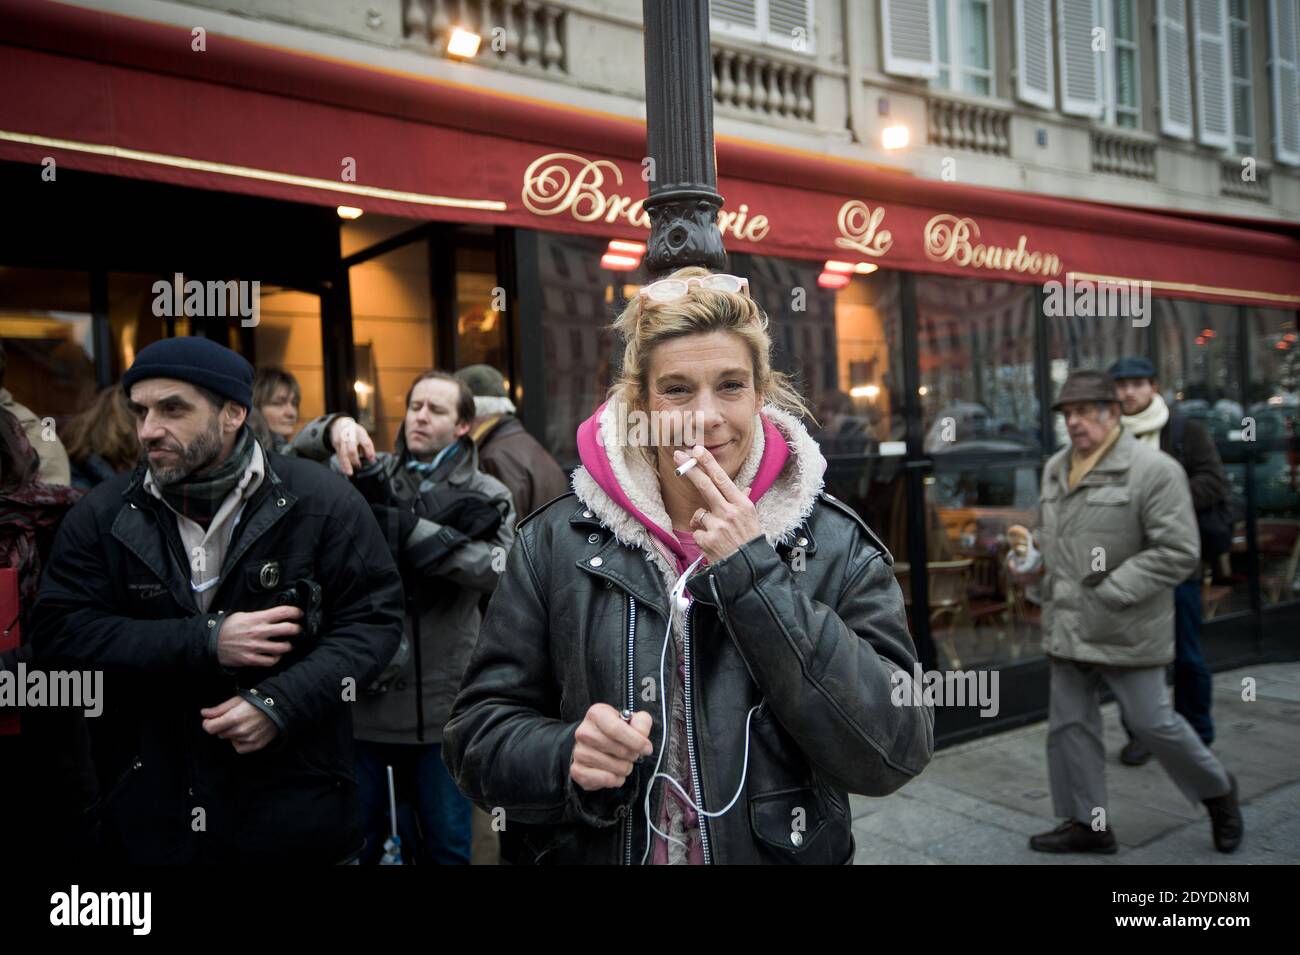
(128, 97)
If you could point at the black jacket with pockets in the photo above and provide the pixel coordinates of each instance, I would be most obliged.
(116, 596)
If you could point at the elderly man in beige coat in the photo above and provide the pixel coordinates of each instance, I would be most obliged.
(1118, 533)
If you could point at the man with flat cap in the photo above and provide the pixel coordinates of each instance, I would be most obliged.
(1117, 534)
(236, 603)
(1150, 419)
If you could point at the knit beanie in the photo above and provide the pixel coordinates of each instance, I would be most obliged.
(199, 361)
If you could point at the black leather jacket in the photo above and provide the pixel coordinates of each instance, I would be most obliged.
(812, 635)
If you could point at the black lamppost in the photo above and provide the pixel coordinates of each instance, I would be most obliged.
(684, 202)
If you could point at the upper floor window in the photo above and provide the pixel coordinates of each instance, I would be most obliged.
(964, 34)
(1284, 67)
(1124, 102)
(782, 23)
(1243, 103)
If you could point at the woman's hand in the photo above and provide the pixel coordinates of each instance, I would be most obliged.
(729, 519)
(605, 748)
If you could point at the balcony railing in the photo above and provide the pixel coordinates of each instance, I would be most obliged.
(956, 124)
(762, 86)
(1123, 155)
(1245, 180)
(521, 33)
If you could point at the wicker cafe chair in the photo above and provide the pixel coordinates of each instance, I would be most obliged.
(949, 596)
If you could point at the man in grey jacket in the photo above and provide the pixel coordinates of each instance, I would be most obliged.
(450, 527)
(1118, 533)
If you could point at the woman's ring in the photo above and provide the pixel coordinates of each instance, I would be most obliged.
(698, 517)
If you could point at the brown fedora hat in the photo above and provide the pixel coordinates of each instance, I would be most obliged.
(1086, 385)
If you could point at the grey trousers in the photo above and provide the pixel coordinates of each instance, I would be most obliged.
(1076, 757)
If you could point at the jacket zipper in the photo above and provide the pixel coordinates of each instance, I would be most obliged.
(631, 705)
(688, 703)
(104, 799)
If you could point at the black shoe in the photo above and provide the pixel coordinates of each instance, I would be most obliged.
(1134, 754)
(1225, 819)
(1071, 836)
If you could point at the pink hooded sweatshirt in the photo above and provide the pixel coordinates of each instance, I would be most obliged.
(593, 454)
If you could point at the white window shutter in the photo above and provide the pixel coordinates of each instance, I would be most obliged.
(1213, 72)
(1174, 69)
(736, 18)
(1035, 83)
(907, 30)
(1284, 52)
(784, 17)
(1081, 76)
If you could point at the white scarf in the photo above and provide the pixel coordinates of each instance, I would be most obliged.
(1147, 424)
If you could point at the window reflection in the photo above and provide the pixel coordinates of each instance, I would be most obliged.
(976, 344)
(1274, 408)
(45, 332)
(1200, 376)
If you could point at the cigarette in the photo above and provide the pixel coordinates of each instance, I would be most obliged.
(687, 466)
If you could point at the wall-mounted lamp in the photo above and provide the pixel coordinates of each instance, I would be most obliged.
(895, 137)
(463, 43)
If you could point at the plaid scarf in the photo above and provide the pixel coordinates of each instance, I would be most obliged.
(199, 498)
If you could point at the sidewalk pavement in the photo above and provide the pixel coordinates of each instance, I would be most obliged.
(979, 802)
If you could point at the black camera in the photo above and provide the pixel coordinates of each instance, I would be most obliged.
(306, 596)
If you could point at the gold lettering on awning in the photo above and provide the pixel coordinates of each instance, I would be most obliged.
(566, 183)
(860, 229)
(949, 238)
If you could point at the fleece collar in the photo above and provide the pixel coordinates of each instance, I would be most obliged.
(784, 471)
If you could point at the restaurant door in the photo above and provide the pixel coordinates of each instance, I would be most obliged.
(422, 296)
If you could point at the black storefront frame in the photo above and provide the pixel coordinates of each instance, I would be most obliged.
(314, 264)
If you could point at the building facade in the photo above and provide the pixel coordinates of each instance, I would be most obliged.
(924, 296)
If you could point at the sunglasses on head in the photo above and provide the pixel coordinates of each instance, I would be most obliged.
(674, 290)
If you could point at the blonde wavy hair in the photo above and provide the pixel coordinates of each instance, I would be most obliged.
(644, 325)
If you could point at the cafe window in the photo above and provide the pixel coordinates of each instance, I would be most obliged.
(981, 428)
(1273, 408)
(579, 301)
(46, 333)
(392, 333)
(1199, 368)
(481, 325)
(976, 347)
(288, 337)
(1077, 338)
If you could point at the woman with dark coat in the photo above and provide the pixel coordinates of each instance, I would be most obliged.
(691, 659)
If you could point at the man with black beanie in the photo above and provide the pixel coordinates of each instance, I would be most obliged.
(1149, 419)
(234, 608)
